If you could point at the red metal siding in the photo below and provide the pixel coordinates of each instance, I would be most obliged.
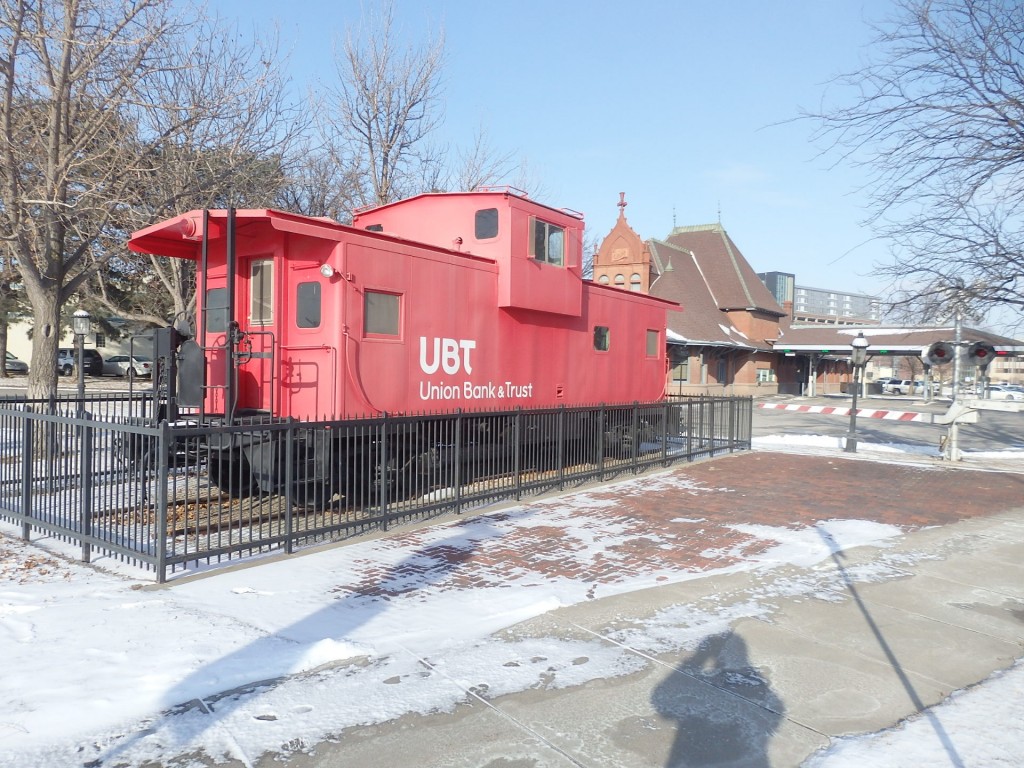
(457, 345)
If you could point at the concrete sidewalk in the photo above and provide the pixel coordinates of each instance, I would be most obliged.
(850, 645)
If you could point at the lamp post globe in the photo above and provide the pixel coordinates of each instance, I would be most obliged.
(81, 324)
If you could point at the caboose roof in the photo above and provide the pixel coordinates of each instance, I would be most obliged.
(179, 236)
(476, 195)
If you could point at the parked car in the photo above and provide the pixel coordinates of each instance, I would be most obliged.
(14, 365)
(1003, 392)
(67, 361)
(899, 386)
(127, 365)
(886, 383)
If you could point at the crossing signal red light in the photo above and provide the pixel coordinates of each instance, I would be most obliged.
(939, 353)
(981, 353)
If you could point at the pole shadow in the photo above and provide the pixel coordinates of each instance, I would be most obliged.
(234, 679)
(947, 744)
(724, 710)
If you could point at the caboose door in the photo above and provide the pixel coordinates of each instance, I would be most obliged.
(258, 323)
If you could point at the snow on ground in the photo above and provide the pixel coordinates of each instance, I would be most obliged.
(98, 667)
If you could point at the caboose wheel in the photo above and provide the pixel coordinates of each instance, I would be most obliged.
(229, 471)
(313, 494)
(130, 450)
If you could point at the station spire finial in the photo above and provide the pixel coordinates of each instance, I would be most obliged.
(622, 204)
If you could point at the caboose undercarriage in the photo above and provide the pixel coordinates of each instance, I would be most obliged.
(382, 459)
(374, 461)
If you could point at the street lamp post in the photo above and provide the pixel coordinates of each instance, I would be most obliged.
(81, 324)
(858, 357)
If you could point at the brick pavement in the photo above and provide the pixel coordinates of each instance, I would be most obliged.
(681, 521)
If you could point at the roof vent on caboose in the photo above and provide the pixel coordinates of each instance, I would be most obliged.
(444, 300)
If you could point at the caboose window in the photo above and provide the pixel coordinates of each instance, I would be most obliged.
(217, 310)
(308, 300)
(547, 242)
(601, 338)
(261, 292)
(652, 343)
(381, 313)
(486, 223)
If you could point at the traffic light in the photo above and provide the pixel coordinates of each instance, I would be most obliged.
(981, 353)
(938, 353)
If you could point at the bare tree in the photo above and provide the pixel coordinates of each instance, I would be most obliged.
(320, 183)
(939, 120)
(384, 107)
(217, 133)
(480, 165)
(97, 96)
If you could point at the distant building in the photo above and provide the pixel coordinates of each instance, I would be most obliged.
(821, 305)
(781, 284)
(1006, 370)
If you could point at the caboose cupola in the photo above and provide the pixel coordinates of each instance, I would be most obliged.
(538, 249)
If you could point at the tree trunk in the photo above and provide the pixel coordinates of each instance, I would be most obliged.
(3, 346)
(42, 374)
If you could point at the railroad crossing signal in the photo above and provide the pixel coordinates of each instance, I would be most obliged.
(939, 353)
(981, 353)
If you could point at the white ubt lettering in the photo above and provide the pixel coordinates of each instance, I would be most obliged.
(450, 355)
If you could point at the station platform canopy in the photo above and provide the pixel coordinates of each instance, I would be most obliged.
(896, 341)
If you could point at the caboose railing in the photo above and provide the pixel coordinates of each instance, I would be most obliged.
(105, 477)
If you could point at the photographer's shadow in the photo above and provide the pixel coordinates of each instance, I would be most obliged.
(724, 711)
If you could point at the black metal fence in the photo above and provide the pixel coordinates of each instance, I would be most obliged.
(106, 475)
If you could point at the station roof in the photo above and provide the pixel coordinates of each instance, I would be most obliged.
(882, 340)
(702, 269)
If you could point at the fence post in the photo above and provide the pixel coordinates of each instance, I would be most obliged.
(712, 434)
(162, 450)
(86, 485)
(748, 413)
(457, 478)
(600, 442)
(689, 429)
(664, 431)
(733, 402)
(382, 471)
(635, 442)
(289, 481)
(517, 434)
(50, 445)
(26, 477)
(560, 453)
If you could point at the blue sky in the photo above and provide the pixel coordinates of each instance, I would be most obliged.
(687, 107)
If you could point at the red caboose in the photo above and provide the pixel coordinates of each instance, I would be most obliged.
(456, 300)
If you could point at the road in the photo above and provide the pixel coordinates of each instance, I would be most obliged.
(995, 431)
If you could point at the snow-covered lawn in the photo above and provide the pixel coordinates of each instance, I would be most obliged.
(99, 666)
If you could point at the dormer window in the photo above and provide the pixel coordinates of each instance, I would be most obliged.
(547, 242)
(486, 224)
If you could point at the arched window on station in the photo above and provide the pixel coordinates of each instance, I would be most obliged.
(603, 280)
(634, 283)
(620, 280)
